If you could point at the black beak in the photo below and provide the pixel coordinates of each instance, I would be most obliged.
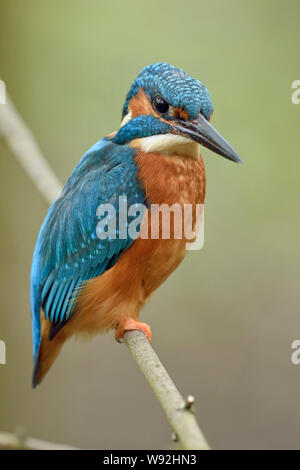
(203, 132)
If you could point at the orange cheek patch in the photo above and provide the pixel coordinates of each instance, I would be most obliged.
(140, 105)
(181, 113)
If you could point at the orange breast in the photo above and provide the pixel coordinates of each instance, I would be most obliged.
(122, 290)
(167, 179)
(171, 178)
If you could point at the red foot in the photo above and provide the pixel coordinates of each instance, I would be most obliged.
(130, 324)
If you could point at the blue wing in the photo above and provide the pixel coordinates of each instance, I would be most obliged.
(68, 251)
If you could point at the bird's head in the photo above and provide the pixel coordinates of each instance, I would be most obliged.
(166, 110)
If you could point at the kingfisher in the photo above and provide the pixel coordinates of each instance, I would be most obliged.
(83, 282)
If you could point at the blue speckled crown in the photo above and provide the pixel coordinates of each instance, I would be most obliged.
(175, 86)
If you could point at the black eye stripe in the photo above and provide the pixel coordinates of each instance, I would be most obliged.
(160, 105)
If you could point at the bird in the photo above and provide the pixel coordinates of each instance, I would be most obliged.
(84, 282)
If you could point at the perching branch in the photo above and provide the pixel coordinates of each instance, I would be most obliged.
(179, 412)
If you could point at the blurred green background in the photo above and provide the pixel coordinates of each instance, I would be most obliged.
(224, 322)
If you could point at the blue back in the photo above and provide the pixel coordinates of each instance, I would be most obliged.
(68, 251)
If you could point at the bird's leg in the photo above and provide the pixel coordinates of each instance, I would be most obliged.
(128, 323)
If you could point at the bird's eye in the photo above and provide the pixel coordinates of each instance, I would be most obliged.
(160, 105)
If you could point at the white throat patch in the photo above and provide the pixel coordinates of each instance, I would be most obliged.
(168, 144)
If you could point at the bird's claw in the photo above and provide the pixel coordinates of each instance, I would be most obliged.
(128, 324)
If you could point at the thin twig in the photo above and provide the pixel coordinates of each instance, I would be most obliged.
(25, 149)
(10, 441)
(179, 412)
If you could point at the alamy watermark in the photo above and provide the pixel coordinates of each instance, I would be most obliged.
(295, 357)
(157, 221)
(2, 92)
(2, 352)
(296, 94)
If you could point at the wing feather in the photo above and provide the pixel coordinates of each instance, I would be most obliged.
(68, 251)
